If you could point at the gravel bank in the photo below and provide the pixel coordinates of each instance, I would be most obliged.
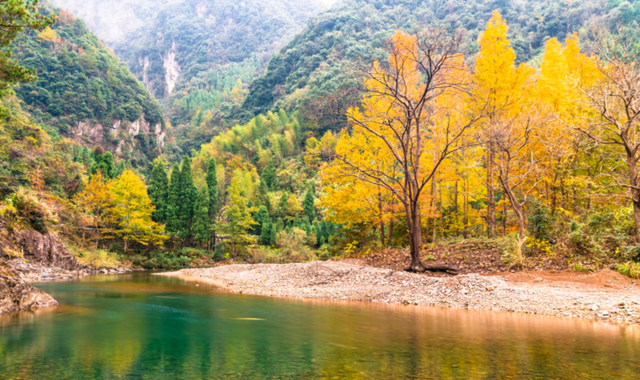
(355, 281)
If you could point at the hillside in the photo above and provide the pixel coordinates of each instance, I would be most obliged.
(312, 65)
(84, 92)
(197, 57)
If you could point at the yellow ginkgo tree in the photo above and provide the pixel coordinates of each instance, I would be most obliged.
(129, 209)
(404, 130)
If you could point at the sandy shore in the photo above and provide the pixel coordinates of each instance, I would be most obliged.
(603, 296)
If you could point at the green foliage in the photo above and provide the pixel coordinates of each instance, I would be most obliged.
(159, 192)
(103, 162)
(201, 216)
(314, 66)
(630, 269)
(308, 206)
(174, 221)
(187, 200)
(81, 85)
(18, 16)
(540, 221)
(212, 184)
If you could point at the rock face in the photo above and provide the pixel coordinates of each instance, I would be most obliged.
(46, 250)
(17, 295)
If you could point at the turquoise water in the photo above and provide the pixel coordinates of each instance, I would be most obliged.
(139, 326)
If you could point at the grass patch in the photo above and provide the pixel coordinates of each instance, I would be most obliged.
(96, 257)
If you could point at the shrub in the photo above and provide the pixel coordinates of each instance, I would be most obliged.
(630, 269)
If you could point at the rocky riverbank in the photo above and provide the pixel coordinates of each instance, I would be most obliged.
(601, 296)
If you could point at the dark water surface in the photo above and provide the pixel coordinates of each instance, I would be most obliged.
(139, 326)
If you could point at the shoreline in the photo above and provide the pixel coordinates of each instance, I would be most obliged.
(602, 296)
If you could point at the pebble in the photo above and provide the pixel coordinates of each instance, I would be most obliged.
(339, 280)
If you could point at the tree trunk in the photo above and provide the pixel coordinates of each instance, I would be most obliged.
(465, 218)
(435, 209)
(634, 191)
(491, 197)
(415, 236)
(382, 234)
(390, 238)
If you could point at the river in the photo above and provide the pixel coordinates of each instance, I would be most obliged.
(140, 326)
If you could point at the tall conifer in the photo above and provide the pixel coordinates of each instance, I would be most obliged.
(201, 216)
(188, 199)
(214, 201)
(159, 192)
(308, 205)
(173, 204)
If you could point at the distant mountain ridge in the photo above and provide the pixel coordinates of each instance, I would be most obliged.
(310, 66)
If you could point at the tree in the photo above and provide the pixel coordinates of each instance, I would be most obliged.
(400, 117)
(261, 218)
(129, 211)
(511, 129)
(159, 192)
(201, 222)
(497, 90)
(214, 201)
(238, 215)
(269, 175)
(17, 16)
(188, 196)
(174, 221)
(308, 205)
(103, 162)
(93, 198)
(614, 99)
(265, 235)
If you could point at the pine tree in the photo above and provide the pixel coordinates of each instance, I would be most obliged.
(159, 192)
(103, 162)
(269, 175)
(201, 216)
(263, 196)
(174, 223)
(283, 205)
(261, 217)
(189, 194)
(308, 205)
(265, 235)
(273, 234)
(214, 201)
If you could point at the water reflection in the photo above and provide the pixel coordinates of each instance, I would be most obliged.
(148, 327)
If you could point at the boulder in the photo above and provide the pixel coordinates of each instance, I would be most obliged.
(17, 295)
(46, 250)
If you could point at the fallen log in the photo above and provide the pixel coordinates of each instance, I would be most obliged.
(437, 268)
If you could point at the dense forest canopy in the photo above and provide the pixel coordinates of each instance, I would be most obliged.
(312, 65)
(83, 91)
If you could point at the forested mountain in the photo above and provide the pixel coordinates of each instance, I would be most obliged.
(86, 93)
(197, 56)
(312, 65)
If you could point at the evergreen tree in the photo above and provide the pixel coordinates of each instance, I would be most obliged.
(283, 205)
(265, 236)
(103, 162)
(174, 223)
(296, 221)
(279, 226)
(214, 201)
(263, 196)
(189, 195)
(201, 216)
(273, 234)
(308, 205)
(261, 217)
(159, 192)
(269, 175)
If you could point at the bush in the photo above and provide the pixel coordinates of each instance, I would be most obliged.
(30, 211)
(630, 269)
(95, 257)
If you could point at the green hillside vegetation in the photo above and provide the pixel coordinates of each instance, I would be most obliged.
(84, 92)
(212, 51)
(313, 65)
